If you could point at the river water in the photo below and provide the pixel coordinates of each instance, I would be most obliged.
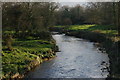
(78, 58)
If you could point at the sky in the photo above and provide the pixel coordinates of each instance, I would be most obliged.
(71, 4)
(87, 0)
(81, 2)
(60, 0)
(63, 2)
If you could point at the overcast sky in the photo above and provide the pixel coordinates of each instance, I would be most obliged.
(59, 0)
(87, 0)
(72, 3)
(81, 2)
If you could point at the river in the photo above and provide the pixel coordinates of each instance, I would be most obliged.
(78, 58)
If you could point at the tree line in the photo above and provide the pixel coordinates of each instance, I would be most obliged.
(28, 18)
(25, 20)
(103, 13)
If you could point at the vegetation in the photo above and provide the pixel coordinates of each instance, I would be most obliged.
(93, 13)
(103, 29)
(27, 40)
(97, 22)
(26, 54)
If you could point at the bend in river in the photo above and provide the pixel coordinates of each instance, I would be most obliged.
(77, 58)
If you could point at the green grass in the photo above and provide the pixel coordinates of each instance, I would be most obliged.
(15, 62)
(80, 27)
(9, 32)
(59, 26)
(108, 30)
(105, 29)
(24, 52)
(34, 45)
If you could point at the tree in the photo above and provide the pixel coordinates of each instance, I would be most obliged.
(77, 14)
(27, 18)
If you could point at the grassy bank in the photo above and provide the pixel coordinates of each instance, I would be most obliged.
(26, 54)
(107, 37)
(107, 30)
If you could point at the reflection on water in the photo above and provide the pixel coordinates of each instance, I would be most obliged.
(78, 59)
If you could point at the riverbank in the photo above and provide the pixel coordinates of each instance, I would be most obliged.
(106, 37)
(26, 55)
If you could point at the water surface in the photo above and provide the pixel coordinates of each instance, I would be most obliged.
(77, 58)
